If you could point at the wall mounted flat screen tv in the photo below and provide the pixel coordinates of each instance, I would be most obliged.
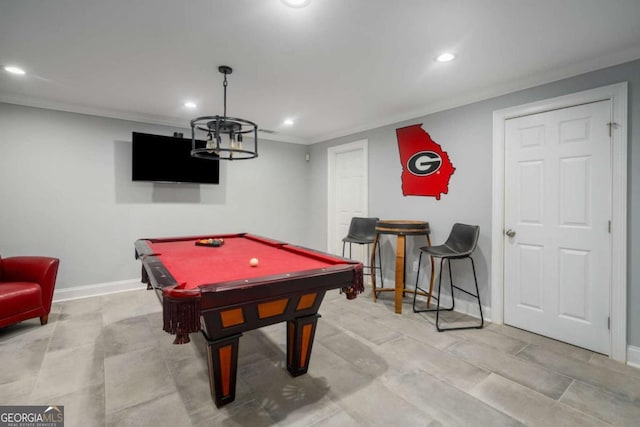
(161, 158)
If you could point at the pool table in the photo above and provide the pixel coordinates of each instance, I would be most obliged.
(214, 289)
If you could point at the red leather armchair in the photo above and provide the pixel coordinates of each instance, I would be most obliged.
(26, 288)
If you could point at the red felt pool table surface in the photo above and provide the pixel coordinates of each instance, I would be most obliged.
(194, 266)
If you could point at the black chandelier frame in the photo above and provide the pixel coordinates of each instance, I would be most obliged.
(216, 126)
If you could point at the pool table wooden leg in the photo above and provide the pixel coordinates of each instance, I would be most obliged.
(145, 279)
(223, 368)
(300, 334)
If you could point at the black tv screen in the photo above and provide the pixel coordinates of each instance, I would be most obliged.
(168, 159)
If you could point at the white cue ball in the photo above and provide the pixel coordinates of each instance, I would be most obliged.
(253, 262)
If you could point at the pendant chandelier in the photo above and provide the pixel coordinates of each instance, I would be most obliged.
(223, 137)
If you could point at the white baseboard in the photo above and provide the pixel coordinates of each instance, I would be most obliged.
(77, 292)
(633, 356)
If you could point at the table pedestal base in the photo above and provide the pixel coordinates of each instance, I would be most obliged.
(401, 229)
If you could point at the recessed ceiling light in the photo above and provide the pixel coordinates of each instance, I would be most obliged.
(288, 122)
(445, 57)
(296, 3)
(14, 70)
(190, 104)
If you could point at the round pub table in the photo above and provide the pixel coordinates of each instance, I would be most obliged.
(401, 229)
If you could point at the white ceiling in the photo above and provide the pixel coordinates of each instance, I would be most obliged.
(336, 66)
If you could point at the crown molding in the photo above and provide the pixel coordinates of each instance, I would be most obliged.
(606, 61)
(601, 62)
(124, 115)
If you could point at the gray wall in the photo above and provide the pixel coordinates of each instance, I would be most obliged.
(466, 134)
(66, 191)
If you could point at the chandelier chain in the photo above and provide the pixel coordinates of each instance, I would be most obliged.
(225, 95)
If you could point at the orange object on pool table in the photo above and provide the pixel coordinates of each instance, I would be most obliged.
(221, 288)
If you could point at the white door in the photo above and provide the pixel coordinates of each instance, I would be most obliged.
(558, 211)
(347, 192)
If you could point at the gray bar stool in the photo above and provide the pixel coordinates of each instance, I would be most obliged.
(460, 244)
(362, 231)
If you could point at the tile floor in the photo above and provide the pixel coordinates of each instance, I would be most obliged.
(108, 362)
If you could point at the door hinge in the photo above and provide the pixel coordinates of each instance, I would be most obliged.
(609, 323)
(609, 226)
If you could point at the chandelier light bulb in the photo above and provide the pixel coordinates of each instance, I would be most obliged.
(211, 145)
(217, 145)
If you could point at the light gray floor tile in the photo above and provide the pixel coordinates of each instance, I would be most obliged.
(341, 377)
(405, 355)
(528, 406)
(338, 419)
(327, 328)
(546, 382)
(21, 357)
(369, 366)
(191, 378)
(377, 315)
(601, 377)
(134, 378)
(503, 343)
(425, 332)
(607, 406)
(238, 414)
(18, 392)
(69, 370)
(83, 330)
(286, 398)
(26, 331)
(447, 404)
(127, 335)
(602, 361)
(358, 354)
(267, 342)
(80, 307)
(123, 305)
(22, 350)
(82, 408)
(377, 405)
(360, 326)
(547, 343)
(164, 411)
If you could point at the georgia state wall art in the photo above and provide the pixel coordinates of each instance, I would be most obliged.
(426, 168)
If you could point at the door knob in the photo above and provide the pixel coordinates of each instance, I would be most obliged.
(510, 233)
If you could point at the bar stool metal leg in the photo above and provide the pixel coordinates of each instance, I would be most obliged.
(380, 267)
(372, 267)
(438, 309)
